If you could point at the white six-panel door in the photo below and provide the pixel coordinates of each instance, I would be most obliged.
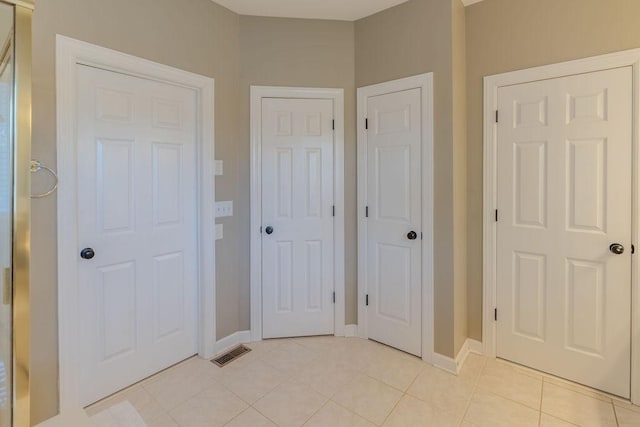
(394, 200)
(297, 217)
(137, 210)
(564, 197)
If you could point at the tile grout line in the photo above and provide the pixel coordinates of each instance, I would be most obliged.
(315, 412)
(540, 407)
(577, 388)
(264, 415)
(365, 374)
(473, 392)
(393, 409)
(289, 378)
(543, 379)
(351, 382)
(566, 389)
(615, 413)
(241, 412)
(353, 412)
(218, 383)
(164, 411)
(517, 402)
(562, 382)
(404, 392)
(122, 393)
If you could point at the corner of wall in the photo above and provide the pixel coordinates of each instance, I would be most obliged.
(459, 132)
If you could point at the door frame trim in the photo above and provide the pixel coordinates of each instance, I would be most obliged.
(489, 288)
(69, 54)
(337, 96)
(425, 83)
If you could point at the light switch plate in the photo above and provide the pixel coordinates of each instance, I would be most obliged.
(219, 231)
(219, 165)
(224, 209)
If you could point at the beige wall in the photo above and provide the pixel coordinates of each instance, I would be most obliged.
(306, 53)
(459, 124)
(508, 35)
(413, 38)
(195, 35)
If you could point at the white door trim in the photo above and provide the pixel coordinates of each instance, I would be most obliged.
(70, 53)
(491, 85)
(337, 95)
(425, 83)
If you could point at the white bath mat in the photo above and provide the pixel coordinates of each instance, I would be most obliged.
(122, 414)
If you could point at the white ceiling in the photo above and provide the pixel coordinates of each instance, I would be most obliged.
(343, 10)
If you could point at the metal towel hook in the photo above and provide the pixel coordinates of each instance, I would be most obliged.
(36, 166)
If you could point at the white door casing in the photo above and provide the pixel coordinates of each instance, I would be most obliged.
(137, 211)
(395, 197)
(297, 217)
(297, 183)
(72, 55)
(629, 58)
(564, 196)
(394, 220)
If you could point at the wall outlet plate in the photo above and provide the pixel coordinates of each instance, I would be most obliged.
(219, 167)
(219, 231)
(224, 209)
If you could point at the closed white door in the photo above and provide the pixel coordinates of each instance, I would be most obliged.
(394, 223)
(297, 217)
(564, 198)
(137, 212)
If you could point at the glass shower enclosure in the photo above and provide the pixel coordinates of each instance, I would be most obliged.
(15, 152)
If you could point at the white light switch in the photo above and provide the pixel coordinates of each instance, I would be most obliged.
(219, 231)
(219, 167)
(224, 209)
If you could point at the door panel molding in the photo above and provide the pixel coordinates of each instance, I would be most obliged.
(629, 58)
(425, 83)
(70, 54)
(337, 96)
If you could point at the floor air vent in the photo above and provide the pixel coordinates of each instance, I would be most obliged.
(231, 355)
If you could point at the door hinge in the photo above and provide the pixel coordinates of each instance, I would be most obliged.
(366, 212)
(496, 215)
(421, 235)
(333, 124)
(633, 249)
(260, 229)
(367, 300)
(495, 314)
(496, 116)
(334, 210)
(366, 123)
(334, 297)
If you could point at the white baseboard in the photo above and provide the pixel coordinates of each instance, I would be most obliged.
(350, 330)
(475, 346)
(452, 365)
(445, 363)
(75, 418)
(233, 340)
(462, 356)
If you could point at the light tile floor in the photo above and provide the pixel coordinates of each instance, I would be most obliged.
(336, 382)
